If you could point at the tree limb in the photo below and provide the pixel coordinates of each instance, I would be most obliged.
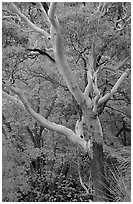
(28, 22)
(12, 98)
(61, 61)
(80, 179)
(114, 89)
(42, 52)
(115, 68)
(43, 11)
(52, 9)
(43, 121)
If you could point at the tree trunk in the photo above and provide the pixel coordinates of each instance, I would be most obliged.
(95, 135)
(93, 141)
(101, 185)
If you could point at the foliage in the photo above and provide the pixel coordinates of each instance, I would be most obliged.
(39, 165)
(120, 176)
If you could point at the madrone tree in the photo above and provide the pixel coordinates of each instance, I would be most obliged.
(90, 138)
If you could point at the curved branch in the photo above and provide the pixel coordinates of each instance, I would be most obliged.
(12, 98)
(42, 52)
(43, 121)
(28, 22)
(114, 89)
(80, 179)
(61, 61)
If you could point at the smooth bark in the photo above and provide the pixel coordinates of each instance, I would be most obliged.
(92, 142)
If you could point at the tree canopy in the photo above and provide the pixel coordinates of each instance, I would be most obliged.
(43, 94)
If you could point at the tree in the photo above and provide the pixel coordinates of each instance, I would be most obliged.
(88, 134)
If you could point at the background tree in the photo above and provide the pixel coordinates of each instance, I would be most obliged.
(96, 38)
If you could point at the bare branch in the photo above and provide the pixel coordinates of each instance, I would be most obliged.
(80, 179)
(13, 17)
(44, 15)
(52, 9)
(43, 121)
(42, 52)
(114, 89)
(28, 22)
(61, 61)
(12, 98)
(115, 68)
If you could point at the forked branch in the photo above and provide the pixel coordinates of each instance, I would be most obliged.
(28, 22)
(40, 119)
